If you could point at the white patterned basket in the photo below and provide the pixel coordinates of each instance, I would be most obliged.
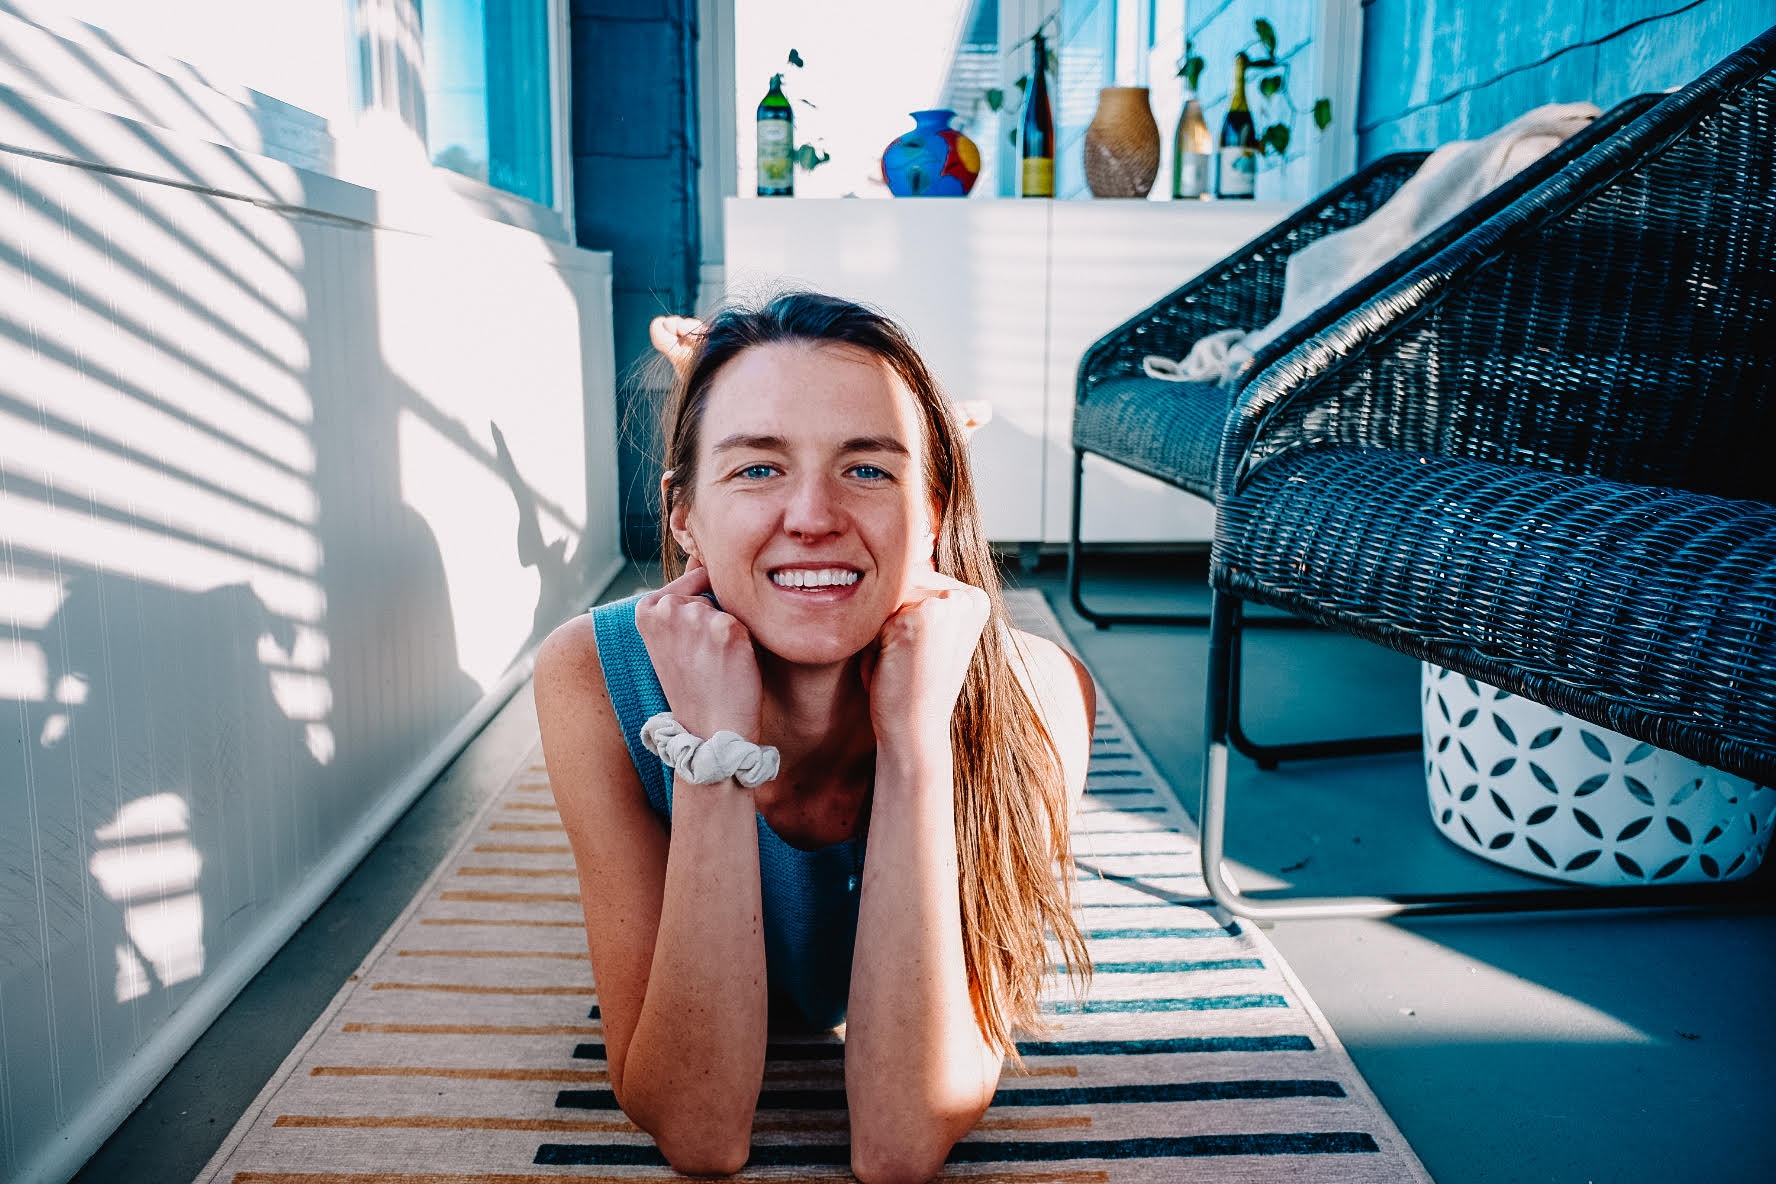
(1524, 785)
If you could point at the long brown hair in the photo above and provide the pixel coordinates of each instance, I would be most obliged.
(1013, 849)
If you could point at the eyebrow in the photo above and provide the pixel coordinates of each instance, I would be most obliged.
(740, 441)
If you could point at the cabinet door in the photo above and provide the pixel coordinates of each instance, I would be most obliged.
(1109, 260)
(967, 279)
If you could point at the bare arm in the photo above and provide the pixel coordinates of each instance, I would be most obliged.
(918, 1071)
(674, 931)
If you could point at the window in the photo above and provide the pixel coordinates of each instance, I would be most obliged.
(488, 95)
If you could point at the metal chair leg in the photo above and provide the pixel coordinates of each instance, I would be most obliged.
(1268, 755)
(1212, 821)
(1100, 619)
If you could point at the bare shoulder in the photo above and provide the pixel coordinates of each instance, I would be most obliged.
(1062, 690)
(1055, 678)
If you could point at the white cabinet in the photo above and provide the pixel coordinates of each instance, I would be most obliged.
(1003, 298)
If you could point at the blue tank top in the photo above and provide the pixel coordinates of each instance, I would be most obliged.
(810, 898)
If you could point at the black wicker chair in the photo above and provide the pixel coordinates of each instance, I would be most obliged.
(1172, 431)
(1543, 459)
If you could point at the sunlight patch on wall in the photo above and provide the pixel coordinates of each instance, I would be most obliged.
(29, 599)
(123, 549)
(24, 670)
(471, 514)
(144, 492)
(298, 688)
(148, 864)
(220, 344)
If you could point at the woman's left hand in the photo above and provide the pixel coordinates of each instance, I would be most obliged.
(914, 672)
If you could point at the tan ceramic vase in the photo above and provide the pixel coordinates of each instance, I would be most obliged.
(1122, 144)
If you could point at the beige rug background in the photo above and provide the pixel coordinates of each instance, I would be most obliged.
(467, 1049)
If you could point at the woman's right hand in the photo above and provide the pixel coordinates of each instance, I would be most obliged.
(704, 658)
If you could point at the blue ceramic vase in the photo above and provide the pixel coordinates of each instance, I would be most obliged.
(932, 160)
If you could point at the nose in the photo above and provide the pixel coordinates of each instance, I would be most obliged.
(814, 510)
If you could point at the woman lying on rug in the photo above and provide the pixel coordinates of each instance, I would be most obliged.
(837, 663)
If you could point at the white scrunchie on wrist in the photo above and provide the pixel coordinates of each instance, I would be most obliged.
(705, 762)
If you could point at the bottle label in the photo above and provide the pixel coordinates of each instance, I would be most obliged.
(1239, 172)
(1039, 176)
(775, 159)
(1190, 175)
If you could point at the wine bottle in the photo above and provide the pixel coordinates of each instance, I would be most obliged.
(1238, 172)
(1037, 138)
(1191, 150)
(776, 143)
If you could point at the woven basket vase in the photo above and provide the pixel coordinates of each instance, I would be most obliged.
(1122, 144)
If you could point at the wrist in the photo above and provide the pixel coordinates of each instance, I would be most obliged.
(914, 757)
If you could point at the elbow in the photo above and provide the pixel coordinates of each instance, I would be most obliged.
(911, 1150)
(879, 1161)
(705, 1153)
(700, 1143)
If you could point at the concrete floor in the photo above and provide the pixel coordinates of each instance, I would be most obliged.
(1605, 1047)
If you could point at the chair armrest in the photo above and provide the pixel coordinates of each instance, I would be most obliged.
(1244, 290)
(1613, 321)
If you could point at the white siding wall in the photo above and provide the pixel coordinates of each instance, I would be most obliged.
(293, 474)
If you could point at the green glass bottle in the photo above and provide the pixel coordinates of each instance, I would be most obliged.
(1037, 137)
(1238, 175)
(776, 143)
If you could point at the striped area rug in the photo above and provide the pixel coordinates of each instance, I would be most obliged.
(467, 1048)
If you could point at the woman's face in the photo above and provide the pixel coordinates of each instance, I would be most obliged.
(809, 509)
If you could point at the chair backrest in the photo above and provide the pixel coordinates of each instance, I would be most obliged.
(1599, 131)
(1618, 320)
(1245, 289)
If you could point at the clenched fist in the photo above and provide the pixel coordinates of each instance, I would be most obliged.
(703, 656)
(914, 672)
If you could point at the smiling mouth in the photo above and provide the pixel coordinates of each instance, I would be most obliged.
(814, 578)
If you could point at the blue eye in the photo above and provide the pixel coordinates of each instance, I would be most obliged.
(756, 472)
(871, 473)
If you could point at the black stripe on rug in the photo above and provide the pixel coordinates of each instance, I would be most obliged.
(1231, 929)
(1048, 1048)
(1168, 967)
(1079, 1095)
(1098, 1048)
(1044, 1151)
(1141, 1006)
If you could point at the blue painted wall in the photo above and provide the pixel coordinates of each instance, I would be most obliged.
(634, 68)
(1438, 70)
(1219, 29)
(1087, 48)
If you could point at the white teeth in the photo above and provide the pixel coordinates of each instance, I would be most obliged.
(822, 578)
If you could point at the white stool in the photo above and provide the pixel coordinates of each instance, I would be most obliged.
(1524, 785)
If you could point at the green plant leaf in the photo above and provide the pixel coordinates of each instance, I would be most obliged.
(1023, 84)
(1269, 85)
(995, 99)
(1322, 113)
(795, 59)
(1267, 35)
(1191, 68)
(1276, 138)
(810, 158)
